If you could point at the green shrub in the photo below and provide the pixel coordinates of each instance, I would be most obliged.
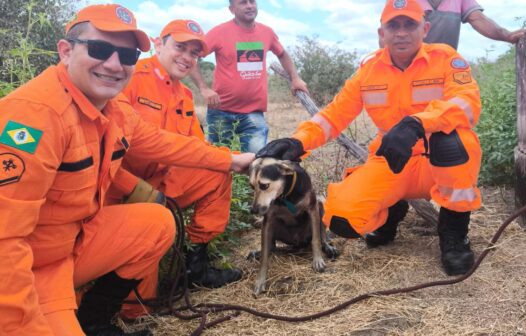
(29, 31)
(497, 125)
(324, 69)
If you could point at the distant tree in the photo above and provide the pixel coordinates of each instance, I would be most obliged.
(323, 68)
(29, 30)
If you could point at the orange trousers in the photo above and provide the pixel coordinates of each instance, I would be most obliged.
(209, 191)
(129, 239)
(365, 194)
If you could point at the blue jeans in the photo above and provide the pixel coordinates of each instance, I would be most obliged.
(251, 128)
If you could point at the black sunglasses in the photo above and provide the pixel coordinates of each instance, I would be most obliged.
(102, 50)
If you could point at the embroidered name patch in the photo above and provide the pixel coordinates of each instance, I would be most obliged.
(459, 63)
(149, 103)
(432, 81)
(462, 77)
(20, 136)
(373, 87)
(12, 168)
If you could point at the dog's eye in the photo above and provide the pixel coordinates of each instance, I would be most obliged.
(264, 186)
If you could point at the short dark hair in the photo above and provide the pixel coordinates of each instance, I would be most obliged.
(77, 30)
(165, 39)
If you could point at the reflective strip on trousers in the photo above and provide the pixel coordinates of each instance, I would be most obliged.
(458, 195)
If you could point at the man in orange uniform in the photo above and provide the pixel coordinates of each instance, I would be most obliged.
(62, 139)
(157, 94)
(425, 104)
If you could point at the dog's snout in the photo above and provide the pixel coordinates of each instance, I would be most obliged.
(259, 209)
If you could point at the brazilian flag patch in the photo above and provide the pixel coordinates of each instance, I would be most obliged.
(21, 137)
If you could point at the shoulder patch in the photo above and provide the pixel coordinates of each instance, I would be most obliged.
(459, 63)
(12, 168)
(462, 77)
(20, 136)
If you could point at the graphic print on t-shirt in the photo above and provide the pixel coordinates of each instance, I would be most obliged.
(249, 59)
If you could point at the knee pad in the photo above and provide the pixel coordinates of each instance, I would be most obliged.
(343, 228)
(447, 150)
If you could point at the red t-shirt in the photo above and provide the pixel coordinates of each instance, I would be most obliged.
(240, 76)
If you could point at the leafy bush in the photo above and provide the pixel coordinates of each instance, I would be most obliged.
(497, 125)
(240, 216)
(324, 69)
(28, 35)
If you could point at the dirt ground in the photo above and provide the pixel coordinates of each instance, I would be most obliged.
(491, 302)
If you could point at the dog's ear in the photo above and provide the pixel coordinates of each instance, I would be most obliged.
(286, 167)
(253, 170)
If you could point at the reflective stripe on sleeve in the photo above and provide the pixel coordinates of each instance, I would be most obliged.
(458, 195)
(423, 95)
(324, 124)
(466, 107)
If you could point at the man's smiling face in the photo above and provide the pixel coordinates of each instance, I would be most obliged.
(99, 80)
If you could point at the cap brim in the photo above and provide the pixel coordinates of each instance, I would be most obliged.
(142, 38)
(411, 14)
(189, 37)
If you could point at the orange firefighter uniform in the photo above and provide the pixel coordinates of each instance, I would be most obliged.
(58, 156)
(169, 105)
(439, 90)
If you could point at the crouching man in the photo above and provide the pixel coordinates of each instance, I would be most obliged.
(425, 103)
(62, 140)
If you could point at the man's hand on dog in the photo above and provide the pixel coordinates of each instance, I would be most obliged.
(240, 162)
(283, 149)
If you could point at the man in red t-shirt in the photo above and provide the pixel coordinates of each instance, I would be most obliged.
(239, 95)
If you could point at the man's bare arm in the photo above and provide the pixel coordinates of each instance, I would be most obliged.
(489, 28)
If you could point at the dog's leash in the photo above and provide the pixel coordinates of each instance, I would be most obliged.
(203, 309)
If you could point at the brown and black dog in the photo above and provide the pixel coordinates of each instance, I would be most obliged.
(284, 195)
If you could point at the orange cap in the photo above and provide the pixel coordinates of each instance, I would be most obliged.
(186, 30)
(111, 18)
(394, 8)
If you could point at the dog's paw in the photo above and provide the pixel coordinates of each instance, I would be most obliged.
(330, 251)
(254, 255)
(318, 264)
(259, 287)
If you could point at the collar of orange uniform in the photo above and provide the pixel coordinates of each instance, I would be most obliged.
(158, 69)
(385, 57)
(82, 101)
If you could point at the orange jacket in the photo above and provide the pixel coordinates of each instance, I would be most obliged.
(162, 101)
(58, 157)
(437, 87)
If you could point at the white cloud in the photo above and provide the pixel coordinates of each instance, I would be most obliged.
(353, 23)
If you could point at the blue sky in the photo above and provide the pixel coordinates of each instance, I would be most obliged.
(351, 24)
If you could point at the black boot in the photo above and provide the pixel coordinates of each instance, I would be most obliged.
(387, 232)
(200, 272)
(457, 257)
(102, 302)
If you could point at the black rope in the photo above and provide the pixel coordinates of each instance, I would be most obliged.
(215, 308)
(176, 265)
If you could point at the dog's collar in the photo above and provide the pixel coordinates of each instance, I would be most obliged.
(283, 199)
(292, 185)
